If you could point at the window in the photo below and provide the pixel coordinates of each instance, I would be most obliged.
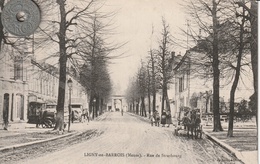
(181, 84)
(19, 107)
(18, 68)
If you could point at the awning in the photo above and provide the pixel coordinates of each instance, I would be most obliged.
(35, 99)
(40, 101)
(51, 101)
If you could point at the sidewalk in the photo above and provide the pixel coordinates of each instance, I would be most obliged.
(244, 143)
(22, 134)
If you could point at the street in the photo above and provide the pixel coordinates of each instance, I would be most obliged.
(129, 139)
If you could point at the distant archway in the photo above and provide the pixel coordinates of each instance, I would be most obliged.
(117, 103)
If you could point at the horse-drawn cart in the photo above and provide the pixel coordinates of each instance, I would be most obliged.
(187, 123)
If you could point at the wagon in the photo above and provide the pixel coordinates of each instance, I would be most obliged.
(181, 129)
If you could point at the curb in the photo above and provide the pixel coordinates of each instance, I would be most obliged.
(36, 142)
(225, 146)
(12, 147)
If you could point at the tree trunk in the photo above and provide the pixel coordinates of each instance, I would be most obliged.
(232, 95)
(215, 64)
(90, 105)
(63, 66)
(254, 50)
(149, 102)
(102, 104)
(153, 82)
(164, 92)
(236, 79)
(1, 25)
(168, 107)
(149, 94)
(97, 106)
(154, 101)
(143, 107)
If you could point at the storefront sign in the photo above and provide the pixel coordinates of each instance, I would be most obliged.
(32, 98)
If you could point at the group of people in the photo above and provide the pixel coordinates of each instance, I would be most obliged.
(166, 118)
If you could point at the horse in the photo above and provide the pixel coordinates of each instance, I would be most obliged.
(198, 127)
(191, 124)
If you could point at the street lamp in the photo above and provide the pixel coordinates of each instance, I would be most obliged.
(69, 82)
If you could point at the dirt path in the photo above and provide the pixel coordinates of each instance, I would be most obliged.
(127, 139)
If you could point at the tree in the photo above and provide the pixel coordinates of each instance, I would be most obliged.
(154, 76)
(96, 53)
(164, 62)
(142, 87)
(96, 79)
(65, 44)
(253, 18)
(208, 16)
(238, 40)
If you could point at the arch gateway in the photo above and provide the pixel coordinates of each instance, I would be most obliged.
(117, 103)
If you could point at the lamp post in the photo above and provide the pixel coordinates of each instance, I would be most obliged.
(69, 82)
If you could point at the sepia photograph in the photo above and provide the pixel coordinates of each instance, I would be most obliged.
(129, 81)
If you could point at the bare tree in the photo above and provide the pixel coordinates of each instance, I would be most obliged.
(65, 44)
(253, 18)
(96, 53)
(237, 39)
(164, 62)
(154, 76)
(142, 87)
(208, 17)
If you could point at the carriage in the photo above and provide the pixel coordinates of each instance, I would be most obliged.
(188, 121)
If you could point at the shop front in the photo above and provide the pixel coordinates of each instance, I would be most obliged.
(36, 104)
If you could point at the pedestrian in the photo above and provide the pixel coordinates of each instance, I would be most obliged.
(163, 118)
(157, 118)
(72, 116)
(83, 115)
(87, 114)
(122, 112)
(152, 118)
(39, 116)
(168, 118)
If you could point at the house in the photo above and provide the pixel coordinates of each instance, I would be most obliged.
(13, 84)
(193, 86)
(27, 85)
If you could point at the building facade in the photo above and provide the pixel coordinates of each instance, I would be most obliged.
(27, 85)
(193, 89)
(13, 84)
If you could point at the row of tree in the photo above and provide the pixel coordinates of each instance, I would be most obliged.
(79, 32)
(154, 75)
(224, 34)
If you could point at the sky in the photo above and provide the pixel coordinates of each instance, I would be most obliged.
(138, 23)
(135, 21)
